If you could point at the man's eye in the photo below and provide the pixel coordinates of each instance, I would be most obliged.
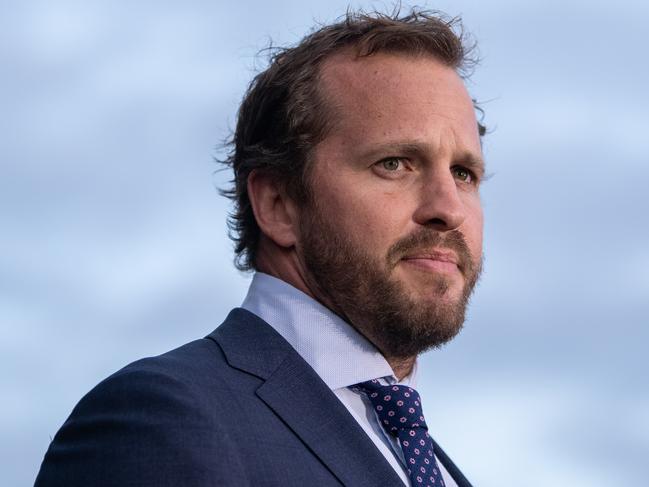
(463, 174)
(391, 164)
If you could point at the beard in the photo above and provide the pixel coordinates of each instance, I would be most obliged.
(360, 287)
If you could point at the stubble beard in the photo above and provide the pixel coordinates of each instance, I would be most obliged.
(361, 289)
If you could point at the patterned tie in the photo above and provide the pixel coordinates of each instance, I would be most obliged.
(399, 410)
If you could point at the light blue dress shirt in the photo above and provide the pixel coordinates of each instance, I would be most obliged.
(339, 354)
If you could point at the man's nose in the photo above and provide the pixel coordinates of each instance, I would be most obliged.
(440, 203)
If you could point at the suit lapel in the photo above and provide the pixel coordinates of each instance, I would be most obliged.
(303, 401)
(314, 413)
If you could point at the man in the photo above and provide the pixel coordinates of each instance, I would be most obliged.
(357, 163)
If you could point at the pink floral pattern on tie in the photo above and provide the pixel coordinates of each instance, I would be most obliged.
(399, 410)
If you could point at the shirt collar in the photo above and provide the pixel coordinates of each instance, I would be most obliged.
(334, 349)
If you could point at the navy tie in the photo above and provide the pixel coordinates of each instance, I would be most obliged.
(399, 410)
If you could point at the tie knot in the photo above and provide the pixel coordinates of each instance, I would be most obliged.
(398, 407)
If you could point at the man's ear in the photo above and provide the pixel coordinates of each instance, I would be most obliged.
(275, 211)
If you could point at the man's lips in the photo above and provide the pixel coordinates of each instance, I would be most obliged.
(436, 261)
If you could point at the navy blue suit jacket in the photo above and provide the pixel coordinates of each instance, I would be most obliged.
(239, 407)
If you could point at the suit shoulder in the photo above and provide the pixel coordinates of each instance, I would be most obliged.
(142, 419)
(186, 365)
(191, 379)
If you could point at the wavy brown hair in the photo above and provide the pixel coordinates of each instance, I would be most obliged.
(283, 115)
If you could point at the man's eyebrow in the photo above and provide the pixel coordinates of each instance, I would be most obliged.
(473, 162)
(407, 148)
(412, 148)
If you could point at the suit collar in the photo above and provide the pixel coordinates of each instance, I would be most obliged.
(250, 344)
(303, 401)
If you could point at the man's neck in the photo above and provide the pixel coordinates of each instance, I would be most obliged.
(402, 367)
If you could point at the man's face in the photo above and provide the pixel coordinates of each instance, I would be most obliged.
(392, 237)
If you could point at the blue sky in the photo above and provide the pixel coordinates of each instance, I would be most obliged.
(113, 243)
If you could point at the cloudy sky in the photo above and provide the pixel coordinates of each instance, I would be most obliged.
(113, 241)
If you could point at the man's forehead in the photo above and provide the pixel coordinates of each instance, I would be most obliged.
(364, 92)
(345, 71)
(385, 81)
